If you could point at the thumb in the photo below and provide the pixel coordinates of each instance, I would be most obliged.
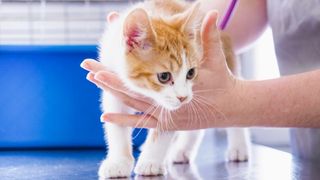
(211, 42)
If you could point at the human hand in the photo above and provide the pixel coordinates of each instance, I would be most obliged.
(214, 91)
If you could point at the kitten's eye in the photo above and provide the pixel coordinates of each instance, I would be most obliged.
(191, 73)
(164, 77)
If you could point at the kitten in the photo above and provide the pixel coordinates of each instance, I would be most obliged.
(154, 48)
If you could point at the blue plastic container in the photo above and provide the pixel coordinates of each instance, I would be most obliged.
(45, 99)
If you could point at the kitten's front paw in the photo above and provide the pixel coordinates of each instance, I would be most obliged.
(115, 168)
(238, 153)
(181, 157)
(150, 168)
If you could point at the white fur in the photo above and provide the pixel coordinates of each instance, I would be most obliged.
(185, 146)
(119, 161)
(238, 144)
(182, 87)
(153, 157)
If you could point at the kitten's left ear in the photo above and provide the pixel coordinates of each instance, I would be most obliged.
(138, 31)
(189, 20)
(192, 20)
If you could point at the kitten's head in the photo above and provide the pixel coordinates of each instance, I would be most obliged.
(162, 55)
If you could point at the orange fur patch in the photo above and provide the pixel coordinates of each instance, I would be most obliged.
(167, 47)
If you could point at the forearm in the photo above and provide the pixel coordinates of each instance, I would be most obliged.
(248, 22)
(292, 101)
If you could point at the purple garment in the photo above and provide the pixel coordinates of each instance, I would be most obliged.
(296, 29)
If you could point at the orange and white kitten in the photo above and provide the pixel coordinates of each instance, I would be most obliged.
(154, 48)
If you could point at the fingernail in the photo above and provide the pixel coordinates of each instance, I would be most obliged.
(102, 118)
(84, 64)
(89, 76)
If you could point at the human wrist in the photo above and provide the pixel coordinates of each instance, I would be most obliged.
(250, 104)
(234, 104)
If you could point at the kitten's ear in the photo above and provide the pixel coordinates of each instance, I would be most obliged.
(138, 31)
(192, 20)
(113, 15)
(189, 20)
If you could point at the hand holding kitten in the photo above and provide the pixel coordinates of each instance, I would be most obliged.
(215, 89)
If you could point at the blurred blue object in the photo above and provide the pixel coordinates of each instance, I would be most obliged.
(45, 99)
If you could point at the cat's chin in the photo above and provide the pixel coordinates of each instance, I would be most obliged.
(172, 107)
(175, 106)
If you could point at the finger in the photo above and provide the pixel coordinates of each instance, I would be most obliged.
(210, 36)
(92, 65)
(90, 77)
(126, 99)
(130, 120)
(131, 102)
(111, 80)
(104, 79)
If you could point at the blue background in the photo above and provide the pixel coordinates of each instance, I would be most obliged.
(45, 99)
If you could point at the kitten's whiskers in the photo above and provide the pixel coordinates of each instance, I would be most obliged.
(151, 109)
(211, 108)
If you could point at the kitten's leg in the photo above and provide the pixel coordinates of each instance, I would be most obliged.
(153, 156)
(238, 144)
(185, 146)
(119, 161)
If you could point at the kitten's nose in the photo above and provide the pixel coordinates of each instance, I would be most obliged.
(182, 98)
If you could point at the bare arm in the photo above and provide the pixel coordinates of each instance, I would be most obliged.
(248, 22)
(291, 101)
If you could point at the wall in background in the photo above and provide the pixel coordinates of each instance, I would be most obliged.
(55, 22)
